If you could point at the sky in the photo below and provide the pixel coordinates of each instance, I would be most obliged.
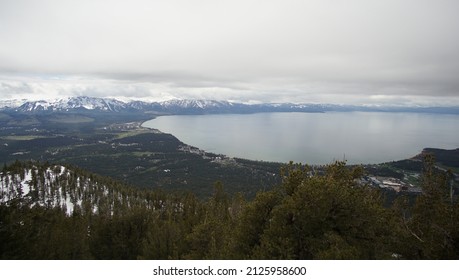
(391, 52)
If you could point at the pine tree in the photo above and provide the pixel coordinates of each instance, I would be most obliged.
(326, 216)
(431, 225)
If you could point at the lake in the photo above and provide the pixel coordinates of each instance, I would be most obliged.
(314, 138)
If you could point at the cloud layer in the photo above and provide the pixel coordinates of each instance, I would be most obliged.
(368, 51)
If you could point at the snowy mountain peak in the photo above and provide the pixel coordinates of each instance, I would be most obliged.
(194, 103)
(90, 103)
(32, 106)
(113, 105)
(73, 103)
(198, 106)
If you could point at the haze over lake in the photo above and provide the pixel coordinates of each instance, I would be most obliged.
(314, 138)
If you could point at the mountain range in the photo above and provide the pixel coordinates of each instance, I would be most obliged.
(192, 106)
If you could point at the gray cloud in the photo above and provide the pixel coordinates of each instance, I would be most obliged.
(9, 90)
(284, 50)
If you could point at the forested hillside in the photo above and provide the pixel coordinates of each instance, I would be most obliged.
(128, 152)
(61, 212)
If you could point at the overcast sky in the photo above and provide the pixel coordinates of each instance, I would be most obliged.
(400, 52)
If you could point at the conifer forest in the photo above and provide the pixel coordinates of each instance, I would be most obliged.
(63, 212)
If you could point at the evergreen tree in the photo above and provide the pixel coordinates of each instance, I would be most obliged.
(210, 238)
(326, 216)
(431, 225)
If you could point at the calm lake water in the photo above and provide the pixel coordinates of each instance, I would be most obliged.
(315, 138)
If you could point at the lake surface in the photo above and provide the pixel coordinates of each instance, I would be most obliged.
(315, 138)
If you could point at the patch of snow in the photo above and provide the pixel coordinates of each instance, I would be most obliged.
(25, 184)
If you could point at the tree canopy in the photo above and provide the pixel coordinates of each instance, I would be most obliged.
(311, 215)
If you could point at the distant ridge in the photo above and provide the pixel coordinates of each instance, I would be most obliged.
(448, 158)
(196, 106)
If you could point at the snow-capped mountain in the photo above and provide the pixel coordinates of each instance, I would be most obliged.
(199, 106)
(226, 107)
(112, 105)
(189, 106)
(91, 103)
(74, 103)
(202, 104)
